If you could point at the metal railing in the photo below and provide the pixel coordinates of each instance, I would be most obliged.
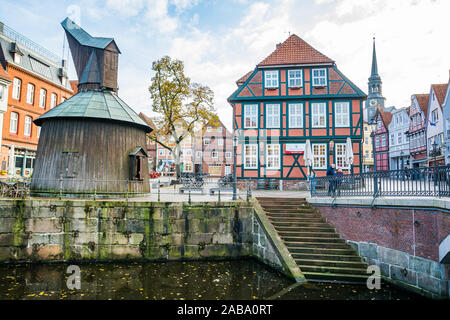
(30, 44)
(426, 182)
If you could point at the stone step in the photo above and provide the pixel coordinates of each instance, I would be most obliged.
(290, 228)
(336, 277)
(322, 251)
(287, 209)
(327, 257)
(332, 263)
(293, 214)
(300, 222)
(327, 269)
(296, 234)
(314, 239)
(281, 200)
(285, 205)
(325, 245)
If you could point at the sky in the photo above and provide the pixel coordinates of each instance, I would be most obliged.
(221, 40)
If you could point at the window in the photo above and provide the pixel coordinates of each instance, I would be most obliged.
(295, 115)
(2, 92)
(17, 83)
(187, 167)
(214, 154)
(273, 156)
(220, 142)
(42, 98)
(199, 154)
(17, 58)
(434, 116)
(13, 122)
(340, 155)
(319, 77)
(271, 79)
(319, 156)
(251, 156)
(342, 114)
(38, 132)
(377, 142)
(365, 128)
(379, 124)
(30, 93)
(206, 141)
(448, 128)
(208, 129)
(250, 115)
(383, 140)
(399, 138)
(63, 99)
(318, 115)
(219, 129)
(295, 78)
(392, 139)
(161, 152)
(272, 116)
(27, 127)
(228, 155)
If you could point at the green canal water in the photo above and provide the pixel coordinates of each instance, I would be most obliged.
(239, 279)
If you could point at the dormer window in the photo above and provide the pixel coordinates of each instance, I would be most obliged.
(295, 78)
(271, 79)
(319, 77)
(17, 58)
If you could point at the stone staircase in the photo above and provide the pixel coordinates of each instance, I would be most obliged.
(313, 243)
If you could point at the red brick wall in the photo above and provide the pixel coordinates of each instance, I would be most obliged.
(392, 228)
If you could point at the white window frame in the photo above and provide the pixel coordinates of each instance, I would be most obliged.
(296, 78)
(38, 131)
(228, 155)
(53, 100)
(42, 98)
(273, 115)
(214, 154)
(383, 141)
(17, 85)
(2, 92)
(220, 141)
(27, 126)
(448, 128)
(316, 114)
(30, 93)
(206, 141)
(13, 122)
(320, 147)
(186, 164)
(295, 115)
(399, 138)
(275, 158)
(319, 80)
(251, 112)
(199, 154)
(254, 156)
(342, 117)
(271, 79)
(340, 155)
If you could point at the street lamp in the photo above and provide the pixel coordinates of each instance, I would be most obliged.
(235, 144)
(434, 151)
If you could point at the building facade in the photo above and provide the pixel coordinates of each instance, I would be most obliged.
(39, 83)
(5, 82)
(435, 125)
(381, 137)
(367, 144)
(398, 140)
(417, 130)
(446, 120)
(294, 95)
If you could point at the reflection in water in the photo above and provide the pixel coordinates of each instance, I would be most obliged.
(239, 279)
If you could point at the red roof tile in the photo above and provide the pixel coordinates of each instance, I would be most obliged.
(295, 51)
(244, 78)
(422, 99)
(439, 91)
(385, 116)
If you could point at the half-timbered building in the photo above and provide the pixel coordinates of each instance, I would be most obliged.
(417, 130)
(294, 95)
(381, 136)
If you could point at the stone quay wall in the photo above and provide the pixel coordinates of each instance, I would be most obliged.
(402, 236)
(78, 230)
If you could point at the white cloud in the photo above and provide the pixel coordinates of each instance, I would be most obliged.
(125, 7)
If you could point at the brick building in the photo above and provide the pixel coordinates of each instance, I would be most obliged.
(39, 83)
(417, 130)
(294, 95)
(381, 136)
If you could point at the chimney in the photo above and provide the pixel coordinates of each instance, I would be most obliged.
(278, 45)
(64, 63)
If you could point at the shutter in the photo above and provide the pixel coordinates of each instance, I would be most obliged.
(132, 167)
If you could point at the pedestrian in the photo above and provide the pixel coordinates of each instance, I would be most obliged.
(312, 181)
(339, 176)
(331, 183)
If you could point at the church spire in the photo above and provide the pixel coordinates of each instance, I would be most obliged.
(374, 61)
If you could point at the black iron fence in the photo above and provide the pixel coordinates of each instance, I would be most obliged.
(427, 182)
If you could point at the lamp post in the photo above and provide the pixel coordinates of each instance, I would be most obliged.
(434, 151)
(235, 144)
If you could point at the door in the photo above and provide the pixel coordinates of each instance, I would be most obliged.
(227, 169)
